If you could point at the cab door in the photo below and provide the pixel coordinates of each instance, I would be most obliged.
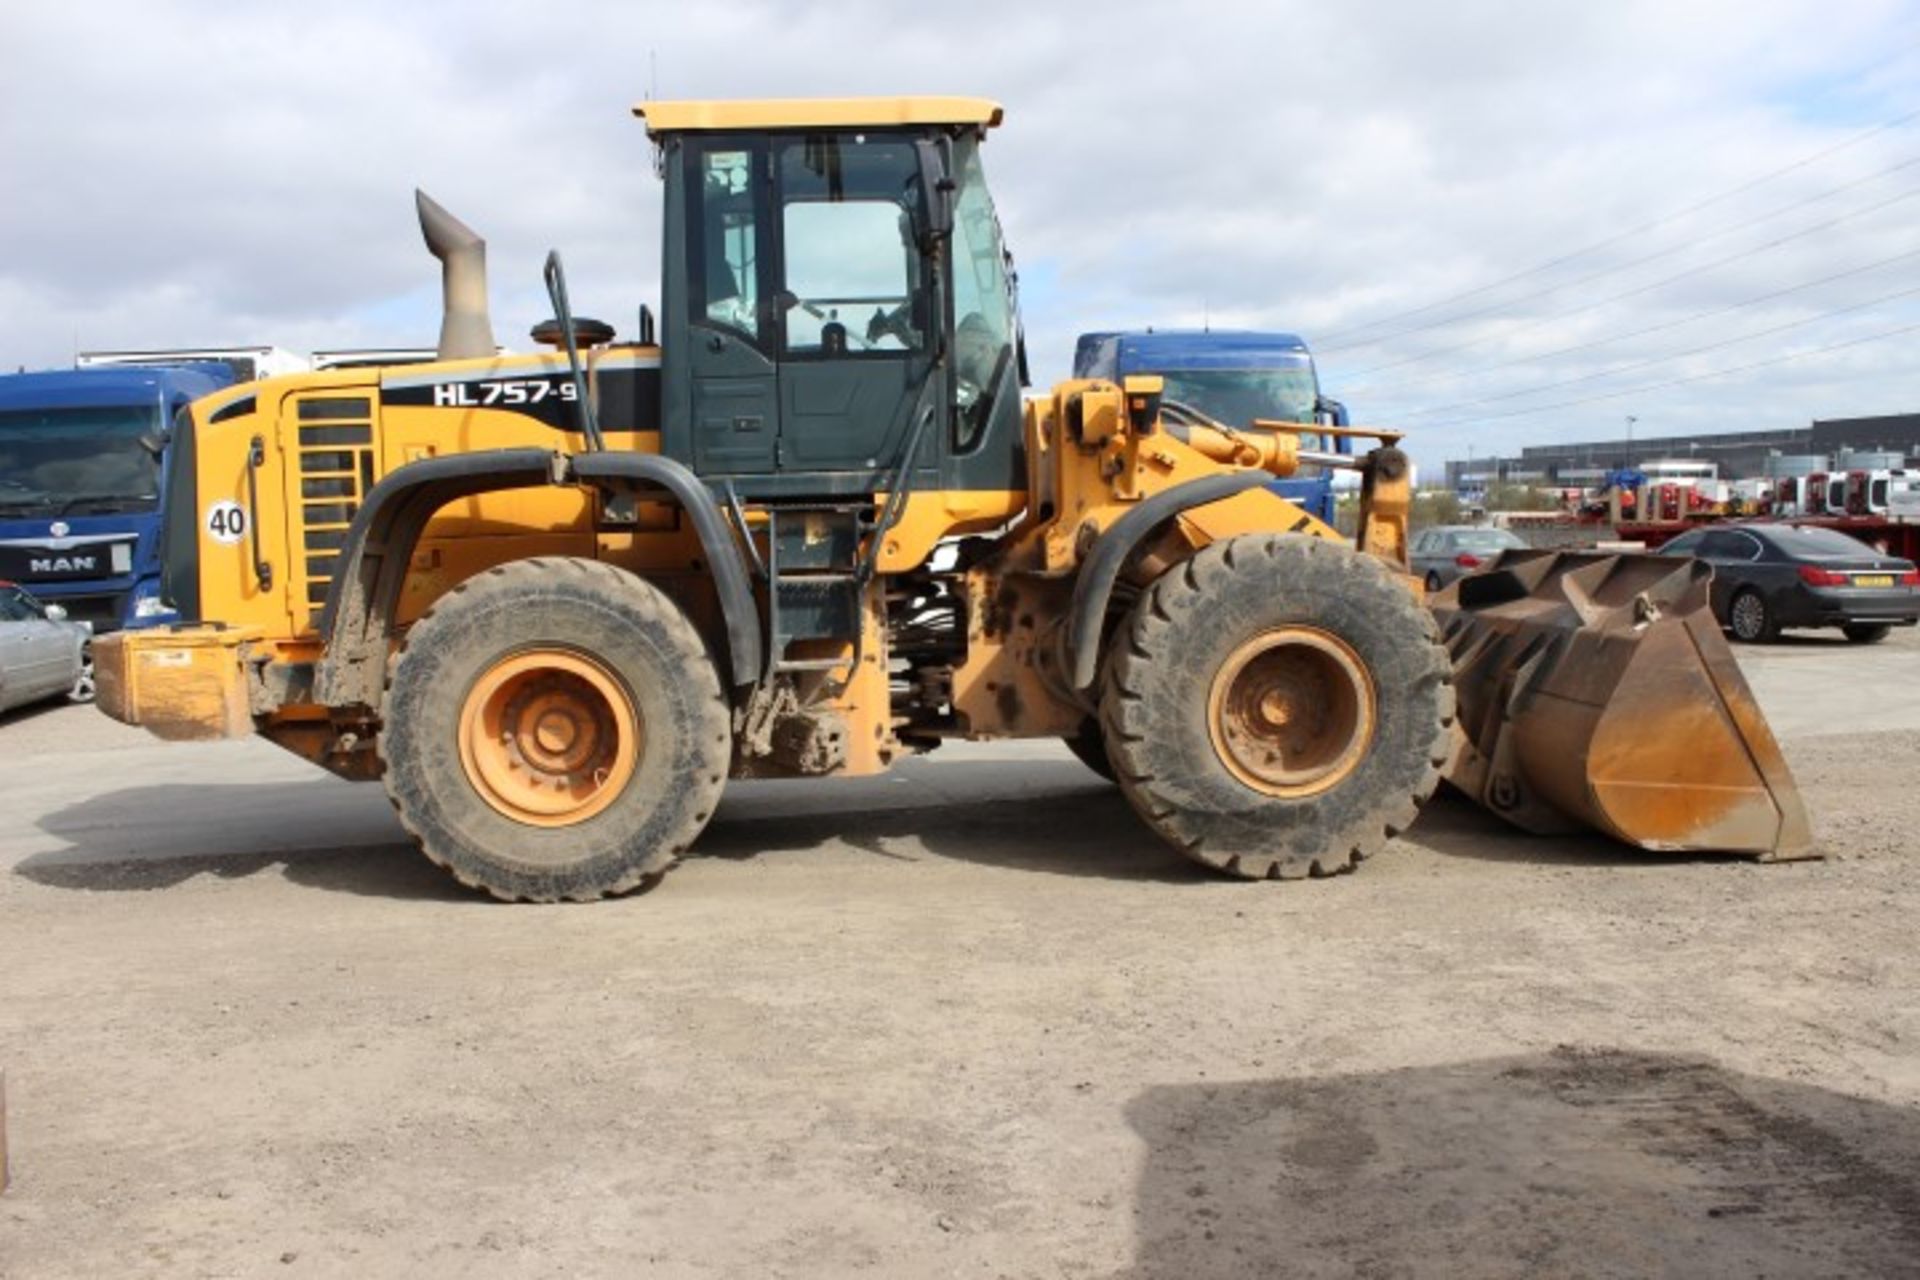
(857, 318)
(735, 406)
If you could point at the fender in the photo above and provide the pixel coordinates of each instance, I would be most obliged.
(358, 616)
(730, 578)
(1093, 588)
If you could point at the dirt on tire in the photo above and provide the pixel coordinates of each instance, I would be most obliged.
(1155, 705)
(639, 635)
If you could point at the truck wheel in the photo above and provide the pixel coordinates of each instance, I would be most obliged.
(1089, 746)
(1866, 632)
(555, 729)
(1752, 621)
(1278, 707)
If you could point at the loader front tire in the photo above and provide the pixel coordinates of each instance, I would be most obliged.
(555, 730)
(1089, 747)
(1278, 706)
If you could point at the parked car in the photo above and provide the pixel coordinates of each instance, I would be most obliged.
(42, 655)
(1450, 551)
(1768, 577)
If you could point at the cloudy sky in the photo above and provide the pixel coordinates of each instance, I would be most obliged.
(1710, 186)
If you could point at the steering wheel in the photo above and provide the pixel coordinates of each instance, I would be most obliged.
(826, 318)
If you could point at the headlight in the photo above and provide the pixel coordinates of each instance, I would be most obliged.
(145, 607)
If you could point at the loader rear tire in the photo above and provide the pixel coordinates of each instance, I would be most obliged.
(555, 730)
(1278, 706)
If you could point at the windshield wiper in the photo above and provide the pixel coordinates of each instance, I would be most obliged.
(26, 506)
(106, 502)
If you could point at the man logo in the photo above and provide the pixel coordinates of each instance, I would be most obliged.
(63, 564)
(60, 529)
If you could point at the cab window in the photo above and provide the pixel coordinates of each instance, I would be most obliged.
(731, 249)
(851, 278)
(983, 313)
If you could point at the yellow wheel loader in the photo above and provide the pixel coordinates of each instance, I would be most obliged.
(554, 601)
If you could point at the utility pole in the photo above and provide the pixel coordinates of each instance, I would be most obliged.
(1630, 421)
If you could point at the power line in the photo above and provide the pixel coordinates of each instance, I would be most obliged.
(1668, 252)
(1543, 356)
(1676, 355)
(1677, 382)
(1646, 288)
(1630, 232)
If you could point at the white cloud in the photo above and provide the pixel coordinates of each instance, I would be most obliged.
(183, 173)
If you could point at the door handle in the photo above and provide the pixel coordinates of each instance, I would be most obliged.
(256, 458)
(716, 343)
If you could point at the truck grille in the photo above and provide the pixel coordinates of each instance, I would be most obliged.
(336, 468)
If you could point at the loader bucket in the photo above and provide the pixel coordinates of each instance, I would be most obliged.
(1596, 691)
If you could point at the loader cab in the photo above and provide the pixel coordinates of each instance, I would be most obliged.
(835, 293)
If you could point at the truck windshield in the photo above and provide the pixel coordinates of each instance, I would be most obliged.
(1238, 396)
(982, 294)
(88, 460)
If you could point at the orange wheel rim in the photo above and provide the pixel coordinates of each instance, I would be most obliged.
(549, 737)
(1292, 712)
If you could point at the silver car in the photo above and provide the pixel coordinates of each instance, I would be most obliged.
(1451, 551)
(42, 655)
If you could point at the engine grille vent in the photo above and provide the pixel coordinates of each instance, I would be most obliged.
(336, 468)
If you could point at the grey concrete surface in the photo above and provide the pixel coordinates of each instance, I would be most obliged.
(1813, 683)
(966, 1019)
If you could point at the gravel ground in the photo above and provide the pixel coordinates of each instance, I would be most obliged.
(965, 1020)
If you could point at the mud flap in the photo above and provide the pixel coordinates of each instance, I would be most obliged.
(1596, 691)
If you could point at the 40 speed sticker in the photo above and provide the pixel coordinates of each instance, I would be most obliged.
(226, 522)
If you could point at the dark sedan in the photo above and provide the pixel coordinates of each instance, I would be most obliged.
(1768, 577)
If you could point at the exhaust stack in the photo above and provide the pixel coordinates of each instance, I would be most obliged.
(466, 332)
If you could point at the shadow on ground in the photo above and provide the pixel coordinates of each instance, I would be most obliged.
(382, 871)
(21, 716)
(1456, 827)
(1040, 816)
(1577, 1162)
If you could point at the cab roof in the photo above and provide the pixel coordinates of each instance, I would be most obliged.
(110, 385)
(814, 113)
(1114, 353)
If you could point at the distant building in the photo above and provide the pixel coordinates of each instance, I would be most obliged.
(1738, 455)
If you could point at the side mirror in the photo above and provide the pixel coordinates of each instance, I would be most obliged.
(936, 181)
(54, 612)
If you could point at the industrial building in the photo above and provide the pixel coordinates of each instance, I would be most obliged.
(1738, 454)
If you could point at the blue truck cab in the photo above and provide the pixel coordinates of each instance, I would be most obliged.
(82, 455)
(1232, 376)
